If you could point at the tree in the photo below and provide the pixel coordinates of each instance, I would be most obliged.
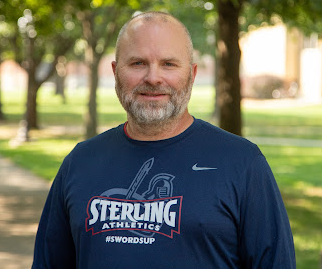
(229, 95)
(225, 21)
(305, 14)
(41, 36)
(59, 77)
(101, 21)
(98, 30)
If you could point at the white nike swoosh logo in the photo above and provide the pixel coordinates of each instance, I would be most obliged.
(196, 168)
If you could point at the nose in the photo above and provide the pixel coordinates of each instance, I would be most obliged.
(153, 76)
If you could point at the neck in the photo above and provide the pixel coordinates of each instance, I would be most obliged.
(159, 131)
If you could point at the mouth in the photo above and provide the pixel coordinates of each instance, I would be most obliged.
(153, 96)
(147, 93)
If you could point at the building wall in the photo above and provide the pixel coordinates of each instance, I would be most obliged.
(263, 51)
(12, 76)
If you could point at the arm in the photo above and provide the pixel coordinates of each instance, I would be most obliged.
(54, 247)
(265, 235)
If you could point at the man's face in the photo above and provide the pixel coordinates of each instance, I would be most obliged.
(153, 75)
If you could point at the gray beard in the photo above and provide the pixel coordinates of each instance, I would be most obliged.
(153, 112)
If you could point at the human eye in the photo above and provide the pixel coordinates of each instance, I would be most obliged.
(137, 63)
(169, 64)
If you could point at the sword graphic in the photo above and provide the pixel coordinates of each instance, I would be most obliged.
(145, 168)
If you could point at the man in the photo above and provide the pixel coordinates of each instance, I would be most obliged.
(163, 190)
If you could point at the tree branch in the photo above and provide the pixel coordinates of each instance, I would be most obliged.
(110, 31)
(67, 44)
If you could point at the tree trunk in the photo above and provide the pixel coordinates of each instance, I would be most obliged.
(30, 120)
(228, 74)
(93, 58)
(60, 86)
(31, 64)
(31, 116)
(91, 115)
(31, 105)
(216, 112)
(60, 76)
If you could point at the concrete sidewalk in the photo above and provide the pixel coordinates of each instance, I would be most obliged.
(22, 197)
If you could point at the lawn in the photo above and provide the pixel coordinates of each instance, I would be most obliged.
(299, 122)
(303, 122)
(298, 170)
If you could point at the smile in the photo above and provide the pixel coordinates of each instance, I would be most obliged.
(153, 96)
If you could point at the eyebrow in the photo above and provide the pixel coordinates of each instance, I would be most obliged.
(134, 59)
(139, 59)
(171, 59)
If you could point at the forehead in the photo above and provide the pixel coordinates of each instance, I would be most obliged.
(154, 38)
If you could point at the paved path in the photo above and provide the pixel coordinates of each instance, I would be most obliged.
(22, 197)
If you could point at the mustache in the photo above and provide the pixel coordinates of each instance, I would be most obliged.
(146, 89)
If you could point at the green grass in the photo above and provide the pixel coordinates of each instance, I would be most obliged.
(300, 122)
(298, 170)
(53, 112)
(43, 157)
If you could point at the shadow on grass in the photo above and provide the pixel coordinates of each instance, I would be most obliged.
(295, 165)
(298, 173)
(306, 220)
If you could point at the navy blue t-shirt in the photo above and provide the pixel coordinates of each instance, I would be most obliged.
(203, 199)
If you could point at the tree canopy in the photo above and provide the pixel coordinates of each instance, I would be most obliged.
(229, 19)
(34, 32)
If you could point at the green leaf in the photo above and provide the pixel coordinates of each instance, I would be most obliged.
(134, 4)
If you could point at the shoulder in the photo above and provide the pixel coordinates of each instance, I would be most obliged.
(97, 144)
(225, 143)
(218, 136)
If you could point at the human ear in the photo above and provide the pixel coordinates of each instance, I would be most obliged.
(114, 67)
(194, 71)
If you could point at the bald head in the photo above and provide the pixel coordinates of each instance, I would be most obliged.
(153, 17)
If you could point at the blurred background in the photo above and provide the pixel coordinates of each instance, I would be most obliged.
(259, 76)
